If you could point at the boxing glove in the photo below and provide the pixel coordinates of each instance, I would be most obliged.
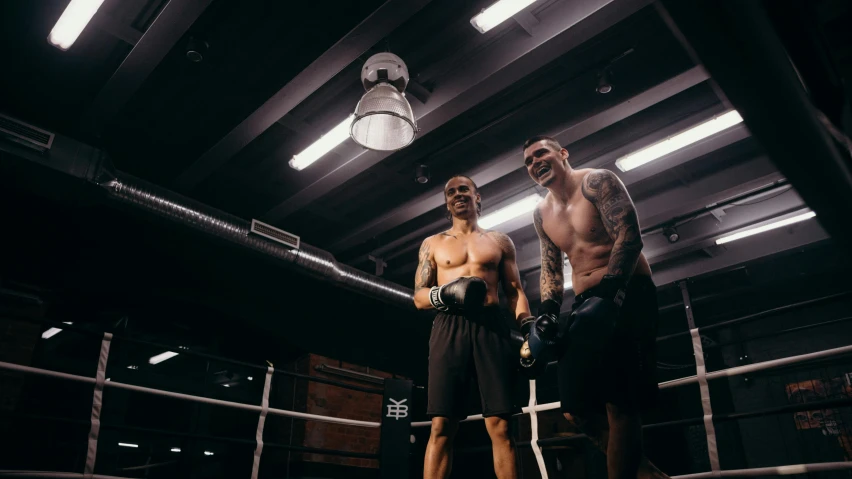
(465, 294)
(594, 322)
(542, 332)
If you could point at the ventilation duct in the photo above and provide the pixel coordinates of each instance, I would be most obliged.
(307, 259)
(83, 161)
(25, 134)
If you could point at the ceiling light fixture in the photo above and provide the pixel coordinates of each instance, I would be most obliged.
(522, 206)
(52, 331)
(175, 449)
(384, 120)
(74, 19)
(208, 453)
(421, 174)
(671, 234)
(125, 444)
(604, 83)
(770, 226)
(162, 357)
(678, 141)
(498, 13)
(196, 49)
(319, 148)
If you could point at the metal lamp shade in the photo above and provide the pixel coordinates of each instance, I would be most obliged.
(383, 120)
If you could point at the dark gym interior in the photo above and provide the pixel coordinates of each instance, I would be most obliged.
(200, 104)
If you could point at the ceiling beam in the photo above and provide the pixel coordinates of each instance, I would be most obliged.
(372, 30)
(508, 59)
(510, 161)
(703, 231)
(169, 26)
(776, 241)
(738, 45)
(117, 28)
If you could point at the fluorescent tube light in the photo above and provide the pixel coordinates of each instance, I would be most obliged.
(133, 366)
(74, 19)
(162, 357)
(175, 449)
(326, 143)
(498, 13)
(525, 205)
(52, 331)
(681, 140)
(766, 227)
(124, 444)
(208, 453)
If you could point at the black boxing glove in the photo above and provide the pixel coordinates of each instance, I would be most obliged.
(543, 331)
(465, 294)
(594, 322)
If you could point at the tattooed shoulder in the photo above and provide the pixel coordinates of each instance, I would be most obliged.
(597, 182)
(425, 248)
(537, 220)
(426, 272)
(503, 241)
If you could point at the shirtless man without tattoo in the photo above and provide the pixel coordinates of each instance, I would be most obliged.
(458, 274)
(606, 349)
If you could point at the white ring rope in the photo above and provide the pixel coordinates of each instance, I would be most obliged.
(187, 397)
(789, 470)
(539, 459)
(704, 388)
(261, 421)
(55, 475)
(771, 471)
(735, 371)
(97, 404)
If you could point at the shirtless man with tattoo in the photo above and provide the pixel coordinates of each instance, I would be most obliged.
(606, 349)
(458, 274)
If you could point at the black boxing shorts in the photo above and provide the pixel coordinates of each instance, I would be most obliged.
(464, 348)
(627, 375)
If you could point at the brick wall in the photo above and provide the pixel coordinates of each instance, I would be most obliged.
(328, 400)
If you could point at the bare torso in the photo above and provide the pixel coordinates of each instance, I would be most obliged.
(475, 254)
(576, 228)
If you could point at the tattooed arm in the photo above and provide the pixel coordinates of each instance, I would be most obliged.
(604, 190)
(510, 278)
(552, 281)
(426, 276)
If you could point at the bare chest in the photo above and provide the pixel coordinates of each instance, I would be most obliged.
(575, 224)
(475, 249)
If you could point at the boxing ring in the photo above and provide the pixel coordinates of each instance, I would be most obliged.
(396, 427)
(709, 420)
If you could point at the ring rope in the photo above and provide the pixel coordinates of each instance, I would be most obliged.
(735, 371)
(159, 392)
(261, 420)
(97, 404)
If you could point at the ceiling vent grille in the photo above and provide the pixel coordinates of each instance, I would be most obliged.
(275, 234)
(25, 134)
